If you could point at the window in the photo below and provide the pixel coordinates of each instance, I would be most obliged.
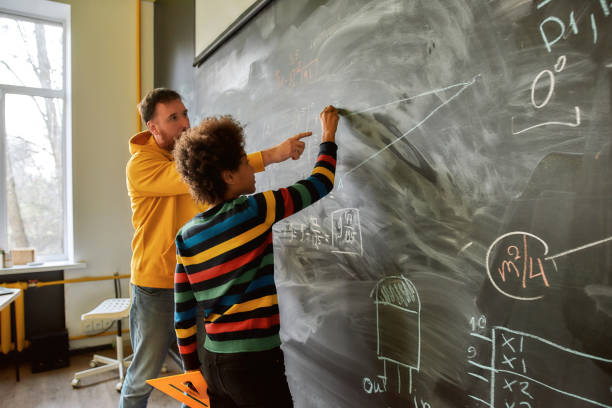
(35, 171)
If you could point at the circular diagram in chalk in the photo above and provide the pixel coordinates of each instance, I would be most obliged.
(518, 267)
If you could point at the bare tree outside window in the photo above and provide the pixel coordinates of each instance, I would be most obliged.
(32, 56)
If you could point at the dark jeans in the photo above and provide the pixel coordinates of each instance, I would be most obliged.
(253, 380)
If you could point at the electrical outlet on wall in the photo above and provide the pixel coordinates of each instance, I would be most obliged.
(98, 325)
(91, 326)
(87, 326)
(95, 326)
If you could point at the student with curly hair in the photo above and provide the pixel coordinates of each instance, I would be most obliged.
(225, 262)
(161, 204)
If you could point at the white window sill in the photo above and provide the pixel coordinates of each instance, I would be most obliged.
(44, 267)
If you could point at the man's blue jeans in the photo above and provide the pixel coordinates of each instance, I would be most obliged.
(152, 333)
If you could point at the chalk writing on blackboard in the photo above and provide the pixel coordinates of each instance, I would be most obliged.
(299, 73)
(550, 75)
(519, 260)
(514, 377)
(462, 87)
(477, 326)
(518, 267)
(311, 233)
(580, 248)
(553, 24)
(466, 246)
(346, 232)
(398, 327)
(345, 236)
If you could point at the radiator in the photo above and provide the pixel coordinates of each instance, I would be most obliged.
(6, 343)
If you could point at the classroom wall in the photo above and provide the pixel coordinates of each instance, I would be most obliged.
(174, 47)
(104, 97)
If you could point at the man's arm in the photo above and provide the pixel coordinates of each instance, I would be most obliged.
(151, 176)
(256, 161)
(290, 148)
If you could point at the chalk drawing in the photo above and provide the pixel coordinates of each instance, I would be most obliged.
(558, 67)
(466, 246)
(462, 87)
(345, 237)
(580, 248)
(346, 232)
(605, 7)
(398, 310)
(515, 359)
(559, 27)
(310, 233)
(512, 248)
(515, 262)
(300, 73)
(542, 4)
(576, 123)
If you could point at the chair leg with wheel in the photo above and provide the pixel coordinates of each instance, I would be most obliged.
(116, 308)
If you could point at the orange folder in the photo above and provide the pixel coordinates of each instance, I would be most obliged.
(176, 387)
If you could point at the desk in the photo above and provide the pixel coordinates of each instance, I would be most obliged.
(5, 301)
(45, 267)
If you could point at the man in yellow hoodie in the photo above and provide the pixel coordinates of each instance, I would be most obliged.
(161, 204)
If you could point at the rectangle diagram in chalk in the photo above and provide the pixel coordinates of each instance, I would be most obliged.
(527, 371)
(398, 321)
(346, 232)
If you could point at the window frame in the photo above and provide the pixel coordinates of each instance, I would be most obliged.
(42, 11)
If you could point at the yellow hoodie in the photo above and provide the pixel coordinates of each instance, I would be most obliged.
(161, 204)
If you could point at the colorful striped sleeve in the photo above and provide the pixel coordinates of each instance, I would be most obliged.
(287, 201)
(185, 307)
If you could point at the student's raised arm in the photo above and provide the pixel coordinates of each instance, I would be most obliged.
(281, 203)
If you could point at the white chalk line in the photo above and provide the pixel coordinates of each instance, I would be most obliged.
(492, 368)
(479, 400)
(410, 98)
(463, 88)
(542, 4)
(466, 246)
(480, 336)
(345, 252)
(480, 377)
(403, 309)
(378, 302)
(569, 394)
(580, 248)
(570, 124)
(398, 362)
(484, 367)
(550, 343)
(555, 345)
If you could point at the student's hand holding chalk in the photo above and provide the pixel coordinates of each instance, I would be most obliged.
(329, 124)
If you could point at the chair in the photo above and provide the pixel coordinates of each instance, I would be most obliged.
(116, 309)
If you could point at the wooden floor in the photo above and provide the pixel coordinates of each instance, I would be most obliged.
(53, 388)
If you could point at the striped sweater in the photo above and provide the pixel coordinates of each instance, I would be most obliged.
(225, 265)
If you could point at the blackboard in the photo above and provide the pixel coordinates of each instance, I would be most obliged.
(464, 258)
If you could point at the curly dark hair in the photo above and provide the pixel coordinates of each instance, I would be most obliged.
(146, 107)
(203, 152)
